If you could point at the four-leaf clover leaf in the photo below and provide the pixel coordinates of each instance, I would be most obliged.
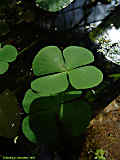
(58, 70)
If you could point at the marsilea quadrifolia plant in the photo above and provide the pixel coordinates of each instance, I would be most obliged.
(53, 5)
(7, 54)
(52, 93)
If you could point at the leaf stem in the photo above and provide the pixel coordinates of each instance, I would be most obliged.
(61, 111)
(27, 48)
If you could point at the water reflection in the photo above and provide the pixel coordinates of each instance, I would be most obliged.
(109, 42)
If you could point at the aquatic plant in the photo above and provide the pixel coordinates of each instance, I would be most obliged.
(53, 5)
(99, 154)
(7, 54)
(44, 113)
(52, 93)
(59, 70)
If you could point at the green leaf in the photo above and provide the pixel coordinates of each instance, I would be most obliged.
(85, 77)
(3, 67)
(61, 112)
(77, 56)
(27, 130)
(8, 53)
(29, 97)
(50, 85)
(44, 102)
(42, 119)
(53, 5)
(76, 117)
(48, 60)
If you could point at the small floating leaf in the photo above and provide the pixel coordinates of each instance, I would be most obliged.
(77, 56)
(48, 60)
(85, 77)
(8, 53)
(51, 84)
(53, 5)
(3, 67)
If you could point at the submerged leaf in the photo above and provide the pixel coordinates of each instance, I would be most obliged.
(44, 126)
(42, 120)
(28, 131)
(76, 117)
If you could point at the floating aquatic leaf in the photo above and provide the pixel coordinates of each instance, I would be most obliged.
(3, 67)
(8, 53)
(48, 60)
(77, 56)
(53, 5)
(85, 77)
(51, 60)
(50, 85)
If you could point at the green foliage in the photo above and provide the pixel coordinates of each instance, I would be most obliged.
(51, 96)
(64, 69)
(40, 126)
(27, 130)
(99, 154)
(3, 67)
(7, 54)
(53, 5)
